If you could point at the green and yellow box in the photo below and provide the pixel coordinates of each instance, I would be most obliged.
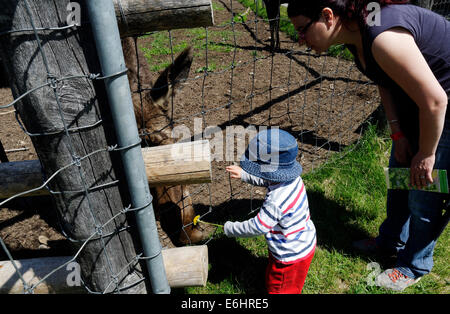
(399, 179)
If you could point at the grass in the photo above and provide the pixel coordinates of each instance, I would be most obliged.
(285, 24)
(158, 50)
(347, 198)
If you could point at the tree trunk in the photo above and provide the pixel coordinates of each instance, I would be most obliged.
(82, 102)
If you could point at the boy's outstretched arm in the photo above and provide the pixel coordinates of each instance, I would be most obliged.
(262, 223)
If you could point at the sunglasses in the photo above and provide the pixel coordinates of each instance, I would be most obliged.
(302, 31)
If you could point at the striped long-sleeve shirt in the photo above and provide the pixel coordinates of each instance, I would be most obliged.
(284, 219)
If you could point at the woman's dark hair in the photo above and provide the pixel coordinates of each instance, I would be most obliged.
(347, 10)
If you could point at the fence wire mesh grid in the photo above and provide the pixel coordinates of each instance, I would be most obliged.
(234, 81)
(442, 7)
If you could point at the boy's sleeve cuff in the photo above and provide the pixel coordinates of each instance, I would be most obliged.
(244, 176)
(226, 228)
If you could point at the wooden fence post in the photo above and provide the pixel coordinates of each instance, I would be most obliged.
(82, 102)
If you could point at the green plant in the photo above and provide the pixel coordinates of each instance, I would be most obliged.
(211, 68)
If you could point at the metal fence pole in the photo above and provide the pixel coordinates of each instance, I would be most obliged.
(106, 35)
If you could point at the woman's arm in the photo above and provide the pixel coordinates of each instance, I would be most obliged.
(398, 55)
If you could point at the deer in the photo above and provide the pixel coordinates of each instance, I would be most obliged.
(273, 14)
(172, 204)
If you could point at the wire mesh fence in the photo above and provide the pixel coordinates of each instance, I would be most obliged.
(442, 7)
(236, 85)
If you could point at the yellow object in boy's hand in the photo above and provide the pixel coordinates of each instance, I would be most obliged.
(197, 220)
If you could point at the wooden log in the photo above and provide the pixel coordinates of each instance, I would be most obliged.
(185, 267)
(81, 102)
(136, 17)
(180, 163)
(33, 270)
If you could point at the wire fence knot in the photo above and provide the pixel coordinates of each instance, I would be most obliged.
(52, 80)
(93, 76)
(112, 148)
(99, 230)
(76, 160)
(125, 210)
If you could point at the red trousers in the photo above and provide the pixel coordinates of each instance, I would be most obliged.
(287, 278)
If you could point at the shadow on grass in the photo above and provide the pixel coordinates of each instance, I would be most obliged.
(231, 261)
(233, 268)
(337, 228)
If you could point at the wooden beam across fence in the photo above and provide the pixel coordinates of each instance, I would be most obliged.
(174, 164)
(136, 17)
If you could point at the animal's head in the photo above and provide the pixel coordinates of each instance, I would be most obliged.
(156, 118)
(152, 105)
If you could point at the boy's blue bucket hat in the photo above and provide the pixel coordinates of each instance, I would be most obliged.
(271, 155)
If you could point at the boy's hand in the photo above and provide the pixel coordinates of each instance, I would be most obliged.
(235, 171)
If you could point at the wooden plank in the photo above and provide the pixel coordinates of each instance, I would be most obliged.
(180, 163)
(186, 266)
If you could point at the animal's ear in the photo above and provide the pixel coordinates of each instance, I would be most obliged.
(171, 77)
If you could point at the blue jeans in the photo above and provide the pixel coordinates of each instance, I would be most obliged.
(414, 219)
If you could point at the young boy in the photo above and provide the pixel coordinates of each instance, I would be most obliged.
(284, 219)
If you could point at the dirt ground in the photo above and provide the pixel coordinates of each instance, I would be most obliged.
(323, 101)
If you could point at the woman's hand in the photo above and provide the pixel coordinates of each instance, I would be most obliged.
(235, 171)
(421, 169)
(403, 152)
